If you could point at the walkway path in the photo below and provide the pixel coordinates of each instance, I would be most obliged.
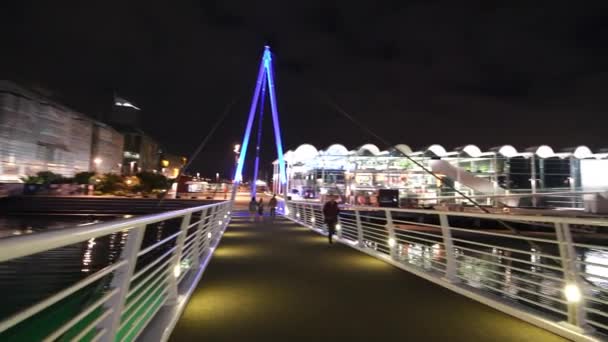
(277, 281)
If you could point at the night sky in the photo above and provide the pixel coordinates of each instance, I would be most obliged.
(415, 72)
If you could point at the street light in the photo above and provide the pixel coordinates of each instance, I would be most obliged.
(97, 161)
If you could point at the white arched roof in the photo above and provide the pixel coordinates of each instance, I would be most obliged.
(582, 152)
(403, 148)
(288, 156)
(506, 151)
(336, 150)
(373, 149)
(437, 150)
(471, 150)
(543, 151)
(305, 152)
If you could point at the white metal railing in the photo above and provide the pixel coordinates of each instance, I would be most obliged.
(147, 275)
(550, 271)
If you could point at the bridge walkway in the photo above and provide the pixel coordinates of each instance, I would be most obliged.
(278, 281)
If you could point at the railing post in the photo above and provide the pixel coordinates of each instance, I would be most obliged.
(339, 228)
(198, 245)
(313, 219)
(450, 257)
(576, 312)
(121, 280)
(359, 229)
(207, 231)
(176, 268)
(392, 240)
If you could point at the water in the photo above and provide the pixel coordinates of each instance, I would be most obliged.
(29, 279)
(22, 225)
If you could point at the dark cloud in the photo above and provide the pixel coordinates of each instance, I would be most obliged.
(416, 72)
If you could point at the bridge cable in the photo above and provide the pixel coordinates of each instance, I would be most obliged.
(514, 230)
(200, 147)
(344, 113)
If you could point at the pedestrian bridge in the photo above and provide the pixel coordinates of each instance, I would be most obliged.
(213, 273)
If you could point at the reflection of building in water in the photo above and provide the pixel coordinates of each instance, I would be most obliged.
(357, 175)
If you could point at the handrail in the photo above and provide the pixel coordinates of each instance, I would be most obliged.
(544, 283)
(506, 217)
(17, 246)
(105, 311)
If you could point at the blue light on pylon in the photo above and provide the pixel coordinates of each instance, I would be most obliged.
(265, 70)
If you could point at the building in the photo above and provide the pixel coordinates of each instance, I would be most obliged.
(40, 134)
(357, 175)
(106, 149)
(141, 152)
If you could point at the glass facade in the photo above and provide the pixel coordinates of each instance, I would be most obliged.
(356, 176)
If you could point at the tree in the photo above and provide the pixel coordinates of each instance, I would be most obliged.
(110, 182)
(150, 181)
(83, 177)
(42, 177)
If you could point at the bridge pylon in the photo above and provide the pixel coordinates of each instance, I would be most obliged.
(265, 81)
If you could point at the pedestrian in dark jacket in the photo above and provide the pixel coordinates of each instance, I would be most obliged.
(273, 205)
(330, 212)
(261, 207)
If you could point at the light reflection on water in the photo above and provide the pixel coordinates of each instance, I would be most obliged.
(32, 278)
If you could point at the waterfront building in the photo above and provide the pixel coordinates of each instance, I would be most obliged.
(38, 133)
(358, 175)
(106, 149)
(141, 152)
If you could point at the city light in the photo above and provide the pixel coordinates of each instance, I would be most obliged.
(208, 235)
(237, 148)
(97, 161)
(392, 242)
(312, 220)
(177, 271)
(572, 293)
(338, 227)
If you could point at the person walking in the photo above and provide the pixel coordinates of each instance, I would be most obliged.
(253, 208)
(261, 208)
(273, 206)
(330, 212)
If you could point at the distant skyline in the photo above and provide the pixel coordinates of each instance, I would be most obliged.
(414, 72)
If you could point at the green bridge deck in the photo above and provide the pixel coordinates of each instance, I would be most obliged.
(277, 281)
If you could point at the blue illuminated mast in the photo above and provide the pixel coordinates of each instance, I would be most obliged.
(265, 78)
